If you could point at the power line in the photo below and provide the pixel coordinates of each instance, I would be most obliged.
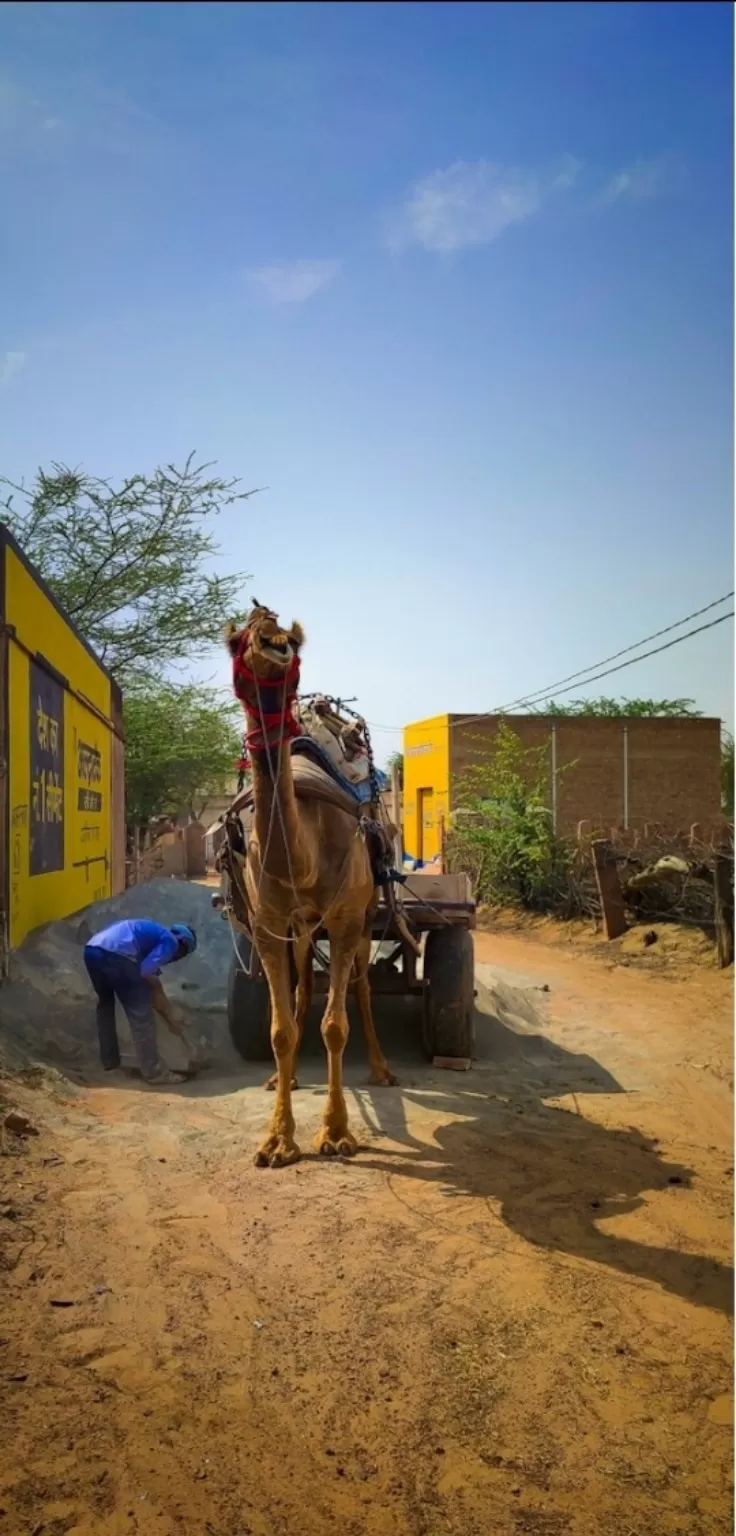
(375, 726)
(572, 677)
(597, 675)
(545, 693)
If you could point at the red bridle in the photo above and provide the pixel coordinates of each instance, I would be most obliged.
(268, 705)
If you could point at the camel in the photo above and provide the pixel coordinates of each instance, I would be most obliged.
(307, 868)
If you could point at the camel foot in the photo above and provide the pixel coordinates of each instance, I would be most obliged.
(271, 1083)
(276, 1152)
(383, 1076)
(330, 1143)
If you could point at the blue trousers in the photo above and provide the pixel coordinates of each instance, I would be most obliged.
(115, 976)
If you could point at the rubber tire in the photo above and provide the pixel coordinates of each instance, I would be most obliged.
(449, 1002)
(248, 1008)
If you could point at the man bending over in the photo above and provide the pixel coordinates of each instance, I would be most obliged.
(124, 961)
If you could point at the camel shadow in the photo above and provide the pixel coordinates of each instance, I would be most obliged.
(548, 1174)
(555, 1177)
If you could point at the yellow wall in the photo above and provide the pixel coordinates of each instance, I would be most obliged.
(426, 767)
(71, 781)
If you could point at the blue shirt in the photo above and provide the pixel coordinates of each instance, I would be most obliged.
(148, 943)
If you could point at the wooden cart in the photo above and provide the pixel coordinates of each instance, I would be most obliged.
(440, 912)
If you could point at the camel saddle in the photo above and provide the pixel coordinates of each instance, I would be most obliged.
(316, 777)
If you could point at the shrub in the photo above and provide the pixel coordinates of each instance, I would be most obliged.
(501, 831)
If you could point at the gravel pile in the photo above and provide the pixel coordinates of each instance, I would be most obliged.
(47, 1006)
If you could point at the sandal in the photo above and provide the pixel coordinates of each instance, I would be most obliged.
(165, 1078)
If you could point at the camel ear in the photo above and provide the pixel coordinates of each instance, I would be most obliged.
(296, 636)
(232, 637)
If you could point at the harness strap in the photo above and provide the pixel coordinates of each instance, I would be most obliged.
(269, 705)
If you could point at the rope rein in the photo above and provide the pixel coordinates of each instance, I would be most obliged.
(256, 739)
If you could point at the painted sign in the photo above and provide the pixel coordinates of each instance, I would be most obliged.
(46, 840)
(89, 777)
(421, 751)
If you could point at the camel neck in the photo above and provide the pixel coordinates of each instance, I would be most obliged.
(276, 826)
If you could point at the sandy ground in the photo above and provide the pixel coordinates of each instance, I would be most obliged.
(509, 1315)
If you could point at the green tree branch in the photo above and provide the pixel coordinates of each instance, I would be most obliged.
(129, 563)
(181, 748)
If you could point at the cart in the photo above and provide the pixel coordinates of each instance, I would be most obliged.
(440, 913)
(422, 945)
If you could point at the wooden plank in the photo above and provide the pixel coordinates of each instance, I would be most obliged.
(425, 918)
(420, 910)
(453, 889)
(609, 889)
(421, 921)
(724, 906)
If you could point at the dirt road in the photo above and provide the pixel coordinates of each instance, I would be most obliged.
(509, 1315)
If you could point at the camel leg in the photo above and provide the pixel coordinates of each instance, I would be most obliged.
(380, 1071)
(279, 1146)
(305, 972)
(334, 1138)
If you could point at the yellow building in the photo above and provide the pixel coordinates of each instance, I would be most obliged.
(62, 816)
(602, 772)
(426, 785)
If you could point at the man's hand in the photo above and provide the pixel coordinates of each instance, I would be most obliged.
(165, 1009)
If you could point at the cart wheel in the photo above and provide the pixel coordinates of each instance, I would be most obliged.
(449, 993)
(248, 1007)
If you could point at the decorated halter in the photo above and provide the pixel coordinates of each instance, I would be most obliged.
(268, 705)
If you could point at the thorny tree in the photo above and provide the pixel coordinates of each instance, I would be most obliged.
(619, 708)
(181, 746)
(128, 562)
(397, 760)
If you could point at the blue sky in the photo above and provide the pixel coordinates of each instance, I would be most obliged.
(453, 281)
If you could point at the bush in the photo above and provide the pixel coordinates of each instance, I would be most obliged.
(501, 833)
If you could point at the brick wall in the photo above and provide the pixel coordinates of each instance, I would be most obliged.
(673, 767)
(590, 779)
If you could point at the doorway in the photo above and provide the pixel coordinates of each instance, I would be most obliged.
(426, 826)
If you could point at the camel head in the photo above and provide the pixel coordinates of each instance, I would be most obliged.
(266, 675)
(264, 646)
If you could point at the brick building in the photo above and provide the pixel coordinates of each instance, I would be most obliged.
(624, 772)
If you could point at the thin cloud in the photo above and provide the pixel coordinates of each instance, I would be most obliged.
(292, 282)
(10, 365)
(638, 183)
(83, 114)
(26, 125)
(471, 204)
